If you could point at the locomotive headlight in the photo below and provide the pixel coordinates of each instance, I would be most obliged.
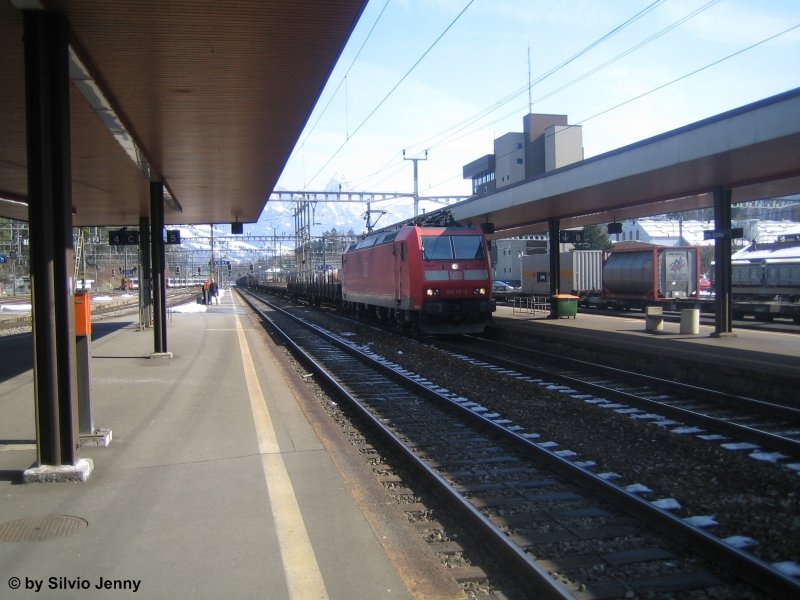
(432, 292)
(479, 291)
(454, 266)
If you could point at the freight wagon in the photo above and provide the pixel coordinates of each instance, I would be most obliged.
(764, 271)
(581, 272)
(639, 275)
(765, 280)
(647, 275)
(629, 276)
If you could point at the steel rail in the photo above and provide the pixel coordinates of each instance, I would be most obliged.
(533, 577)
(743, 432)
(747, 566)
(769, 408)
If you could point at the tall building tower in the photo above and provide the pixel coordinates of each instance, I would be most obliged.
(548, 142)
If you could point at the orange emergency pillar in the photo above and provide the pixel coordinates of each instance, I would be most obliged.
(83, 336)
(83, 315)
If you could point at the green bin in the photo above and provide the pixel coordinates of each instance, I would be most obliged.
(563, 305)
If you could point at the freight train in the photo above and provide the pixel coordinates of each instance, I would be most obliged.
(764, 271)
(765, 279)
(431, 275)
(630, 276)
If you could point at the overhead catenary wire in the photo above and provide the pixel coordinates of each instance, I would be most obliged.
(657, 88)
(552, 71)
(472, 120)
(686, 75)
(695, 72)
(391, 91)
(457, 131)
(344, 77)
(677, 79)
(641, 44)
(486, 111)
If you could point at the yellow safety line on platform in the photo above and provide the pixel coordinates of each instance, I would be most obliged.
(303, 576)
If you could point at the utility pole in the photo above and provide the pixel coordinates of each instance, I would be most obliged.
(368, 216)
(416, 180)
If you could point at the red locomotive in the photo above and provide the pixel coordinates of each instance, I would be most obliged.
(433, 275)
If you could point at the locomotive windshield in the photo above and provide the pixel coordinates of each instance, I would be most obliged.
(452, 247)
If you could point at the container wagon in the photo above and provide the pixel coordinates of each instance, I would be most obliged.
(581, 272)
(637, 277)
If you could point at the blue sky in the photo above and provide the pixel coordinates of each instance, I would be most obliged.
(470, 86)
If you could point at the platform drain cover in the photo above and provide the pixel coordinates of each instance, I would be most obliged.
(34, 529)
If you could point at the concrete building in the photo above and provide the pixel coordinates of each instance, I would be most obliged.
(675, 232)
(664, 232)
(563, 145)
(507, 255)
(509, 159)
(547, 142)
(481, 171)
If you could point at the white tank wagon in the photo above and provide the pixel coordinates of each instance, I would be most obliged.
(652, 274)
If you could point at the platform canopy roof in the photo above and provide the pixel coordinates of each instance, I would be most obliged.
(753, 151)
(208, 97)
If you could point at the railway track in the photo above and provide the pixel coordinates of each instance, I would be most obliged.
(772, 430)
(13, 322)
(564, 530)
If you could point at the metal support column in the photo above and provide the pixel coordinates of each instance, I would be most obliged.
(723, 315)
(145, 274)
(50, 217)
(159, 283)
(553, 226)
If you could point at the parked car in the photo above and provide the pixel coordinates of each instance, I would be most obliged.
(503, 290)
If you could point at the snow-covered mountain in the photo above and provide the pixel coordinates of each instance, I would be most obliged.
(329, 215)
(347, 216)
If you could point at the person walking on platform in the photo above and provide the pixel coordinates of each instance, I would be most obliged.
(205, 292)
(213, 290)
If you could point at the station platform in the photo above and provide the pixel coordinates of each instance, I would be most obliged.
(224, 478)
(769, 354)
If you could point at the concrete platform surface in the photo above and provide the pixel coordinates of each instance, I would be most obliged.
(759, 350)
(223, 479)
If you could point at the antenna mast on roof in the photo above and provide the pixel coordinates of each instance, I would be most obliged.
(530, 100)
